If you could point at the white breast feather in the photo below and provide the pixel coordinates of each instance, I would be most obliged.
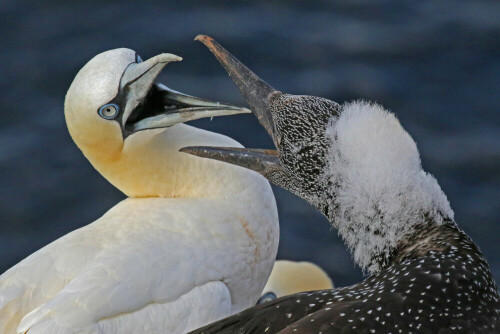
(145, 256)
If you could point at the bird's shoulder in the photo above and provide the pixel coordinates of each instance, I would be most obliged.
(427, 289)
(113, 256)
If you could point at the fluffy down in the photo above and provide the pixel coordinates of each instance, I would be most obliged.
(379, 188)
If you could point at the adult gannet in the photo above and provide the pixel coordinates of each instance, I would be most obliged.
(194, 242)
(289, 277)
(359, 167)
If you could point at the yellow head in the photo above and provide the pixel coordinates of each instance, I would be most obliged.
(127, 124)
(290, 277)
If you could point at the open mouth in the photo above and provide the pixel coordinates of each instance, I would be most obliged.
(162, 107)
(155, 103)
(148, 104)
(258, 95)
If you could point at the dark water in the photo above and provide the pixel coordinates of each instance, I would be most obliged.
(435, 64)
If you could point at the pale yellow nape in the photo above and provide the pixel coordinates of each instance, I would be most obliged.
(289, 277)
(150, 165)
(216, 244)
(146, 163)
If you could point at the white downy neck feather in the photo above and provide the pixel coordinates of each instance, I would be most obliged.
(380, 191)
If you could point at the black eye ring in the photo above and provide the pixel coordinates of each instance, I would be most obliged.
(108, 111)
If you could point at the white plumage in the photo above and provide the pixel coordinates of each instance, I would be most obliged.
(196, 244)
(381, 184)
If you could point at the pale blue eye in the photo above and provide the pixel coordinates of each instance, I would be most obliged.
(138, 58)
(108, 111)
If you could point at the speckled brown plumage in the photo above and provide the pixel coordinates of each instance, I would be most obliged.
(300, 123)
(356, 164)
(435, 280)
(440, 283)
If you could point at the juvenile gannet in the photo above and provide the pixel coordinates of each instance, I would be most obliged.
(359, 167)
(194, 242)
(289, 277)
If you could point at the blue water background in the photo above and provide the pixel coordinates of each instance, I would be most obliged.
(436, 64)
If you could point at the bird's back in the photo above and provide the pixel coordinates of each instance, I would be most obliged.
(441, 282)
(42, 275)
(142, 252)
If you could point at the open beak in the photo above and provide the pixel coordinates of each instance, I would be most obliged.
(258, 94)
(150, 105)
(255, 90)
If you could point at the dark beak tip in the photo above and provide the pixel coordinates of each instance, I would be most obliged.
(259, 160)
(187, 149)
(256, 92)
(218, 51)
(199, 151)
(203, 38)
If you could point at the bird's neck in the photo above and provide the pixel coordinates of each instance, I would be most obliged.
(150, 165)
(377, 193)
